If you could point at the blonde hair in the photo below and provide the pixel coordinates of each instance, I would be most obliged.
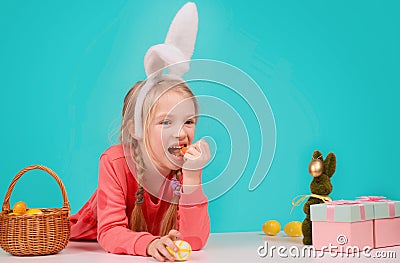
(137, 222)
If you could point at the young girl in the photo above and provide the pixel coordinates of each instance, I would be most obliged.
(113, 214)
(149, 186)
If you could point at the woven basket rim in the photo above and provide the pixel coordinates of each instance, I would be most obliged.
(45, 212)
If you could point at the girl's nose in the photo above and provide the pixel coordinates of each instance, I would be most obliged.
(181, 133)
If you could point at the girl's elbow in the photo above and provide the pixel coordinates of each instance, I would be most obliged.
(196, 242)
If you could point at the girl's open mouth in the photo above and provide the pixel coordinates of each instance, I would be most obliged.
(177, 150)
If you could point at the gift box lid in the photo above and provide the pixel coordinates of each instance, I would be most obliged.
(383, 208)
(342, 212)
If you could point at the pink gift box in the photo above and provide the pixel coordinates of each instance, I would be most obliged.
(343, 235)
(386, 220)
(346, 226)
(387, 232)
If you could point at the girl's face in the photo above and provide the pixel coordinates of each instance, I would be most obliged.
(172, 125)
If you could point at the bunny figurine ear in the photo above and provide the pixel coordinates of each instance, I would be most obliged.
(174, 55)
(178, 47)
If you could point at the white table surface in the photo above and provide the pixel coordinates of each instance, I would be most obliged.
(221, 247)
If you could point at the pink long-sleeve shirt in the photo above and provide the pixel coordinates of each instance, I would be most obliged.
(106, 214)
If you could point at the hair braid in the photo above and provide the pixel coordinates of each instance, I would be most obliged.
(169, 220)
(137, 222)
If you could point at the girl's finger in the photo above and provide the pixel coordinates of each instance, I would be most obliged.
(189, 156)
(204, 146)
(164, 252)
(191, 150)
(194, 146)
(205, 149)
(169, 243)
(175, 234)
(158, 256)
(197, 145)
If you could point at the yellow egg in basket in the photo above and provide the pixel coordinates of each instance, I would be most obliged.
(19, 208)
(34, 211)
(13, 214)
(183, 252)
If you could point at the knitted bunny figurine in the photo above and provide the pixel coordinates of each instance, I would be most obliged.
(322, 171)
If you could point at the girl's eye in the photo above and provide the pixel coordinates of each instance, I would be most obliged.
(165, 122)
(190, 122)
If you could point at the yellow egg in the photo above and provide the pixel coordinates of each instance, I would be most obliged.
(34, 211)
(19, 208)
(293, 229)
(184, 250)
(271, 227)
(13, 214)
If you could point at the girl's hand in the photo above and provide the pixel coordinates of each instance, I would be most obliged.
(196, 156)
(157, 249)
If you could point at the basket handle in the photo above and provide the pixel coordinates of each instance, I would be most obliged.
(6, 203)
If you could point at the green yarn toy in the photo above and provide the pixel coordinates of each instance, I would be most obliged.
(322, 171)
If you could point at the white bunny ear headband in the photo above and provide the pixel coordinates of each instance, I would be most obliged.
(174, 55)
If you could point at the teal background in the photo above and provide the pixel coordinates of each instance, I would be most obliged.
(330, 70)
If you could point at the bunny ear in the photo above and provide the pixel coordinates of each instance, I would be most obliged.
(173, 55)
(162, 56)
(183, 30)
(178, 46)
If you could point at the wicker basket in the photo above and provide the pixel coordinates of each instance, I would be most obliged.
(35, 234)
